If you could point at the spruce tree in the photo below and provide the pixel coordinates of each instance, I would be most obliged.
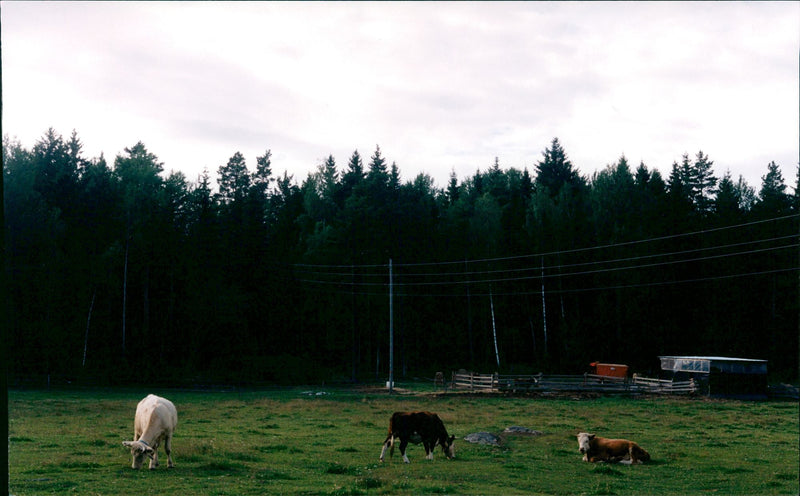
(234, 179)
(555, 170)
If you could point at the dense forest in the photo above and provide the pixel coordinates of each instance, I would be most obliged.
(124, 273)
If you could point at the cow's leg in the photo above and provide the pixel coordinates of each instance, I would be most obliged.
(428, 450)
(168, 450)
(388, 442)
(154, 458)
(634, 457)
(403, 445)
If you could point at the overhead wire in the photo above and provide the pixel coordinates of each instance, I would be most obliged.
(555, 267)
(356, 280)
(551, 275)
(556, 252)
(573, 290)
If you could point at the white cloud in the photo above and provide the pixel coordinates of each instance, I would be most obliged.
(439, 86)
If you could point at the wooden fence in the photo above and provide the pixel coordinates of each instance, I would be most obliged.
(475, 382)
(569, 383)
(662, 386)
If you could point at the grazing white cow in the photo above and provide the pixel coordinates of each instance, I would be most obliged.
(155, 421)
(418, 427)
(600, 449)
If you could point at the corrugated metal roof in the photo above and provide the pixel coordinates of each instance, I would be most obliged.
(714, 358)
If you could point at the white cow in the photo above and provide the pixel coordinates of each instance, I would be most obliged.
(155, 421)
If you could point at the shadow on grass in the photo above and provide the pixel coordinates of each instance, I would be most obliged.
(606, 470)
(270, 475)
(339, 469)
(220, 468)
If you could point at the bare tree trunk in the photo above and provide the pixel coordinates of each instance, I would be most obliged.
(88, 322)
(125, 295)
(533, 335)
(354, 372)
(146, 297)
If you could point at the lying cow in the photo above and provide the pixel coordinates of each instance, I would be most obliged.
(418, 427)
(155, 421)
(600, 449)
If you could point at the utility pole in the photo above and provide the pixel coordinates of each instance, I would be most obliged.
(391, 328)
(494, 329)
(544, 311)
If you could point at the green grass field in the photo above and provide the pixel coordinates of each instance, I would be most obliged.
(293, 442)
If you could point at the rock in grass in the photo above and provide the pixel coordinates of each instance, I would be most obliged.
(516, 429)
(482, 438)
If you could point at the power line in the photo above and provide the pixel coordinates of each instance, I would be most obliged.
(576, 290)
(555, 267)
(551, 253)
(550, 276)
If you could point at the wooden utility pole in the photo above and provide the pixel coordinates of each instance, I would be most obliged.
(544, 311)
(391, 328)
(494, 329)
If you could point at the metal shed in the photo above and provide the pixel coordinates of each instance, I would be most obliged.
(721, 376)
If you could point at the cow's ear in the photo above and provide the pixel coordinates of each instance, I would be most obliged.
(591, 436)
(127, 444)
(452, 439)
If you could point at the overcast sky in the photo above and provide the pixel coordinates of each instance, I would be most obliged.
(440, 87)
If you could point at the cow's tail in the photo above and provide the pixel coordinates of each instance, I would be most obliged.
(390, 437)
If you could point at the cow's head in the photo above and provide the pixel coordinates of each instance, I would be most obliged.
(583, 442)
(449, 447)
(138, 451)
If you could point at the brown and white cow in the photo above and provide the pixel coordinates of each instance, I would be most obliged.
(418, 427)
(600, 449)
(156, 419)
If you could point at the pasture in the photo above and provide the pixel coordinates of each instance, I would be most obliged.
(327, 441)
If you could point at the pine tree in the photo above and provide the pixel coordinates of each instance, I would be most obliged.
(354, 174)
(330, 178)
(394, 177)
(377, 174)
(263, 175)
(555, 170)
(703, 183)
(679, 189)
(526, 185)
(452, 188)
(234, 179)
(728, 200)
(773, 199)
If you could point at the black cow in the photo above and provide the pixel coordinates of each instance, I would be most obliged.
(418, 427)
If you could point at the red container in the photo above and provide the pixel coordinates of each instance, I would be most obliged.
(610, 369)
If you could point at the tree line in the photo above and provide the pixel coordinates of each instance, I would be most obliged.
(124, 272)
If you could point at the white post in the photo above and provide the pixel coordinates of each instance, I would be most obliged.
(494, 328)
(544, 311)
(391, 329)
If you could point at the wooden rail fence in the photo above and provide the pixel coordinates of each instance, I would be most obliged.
(573, 383)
